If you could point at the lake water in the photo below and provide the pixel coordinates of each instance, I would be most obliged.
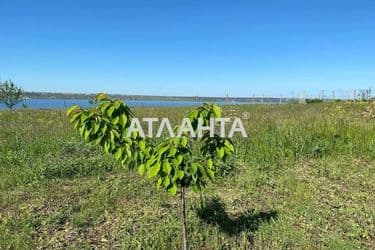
(64, 103)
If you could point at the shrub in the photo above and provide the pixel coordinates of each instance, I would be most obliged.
(10, 94)
(175, 163)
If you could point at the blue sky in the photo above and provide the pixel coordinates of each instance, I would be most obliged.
(177, 47)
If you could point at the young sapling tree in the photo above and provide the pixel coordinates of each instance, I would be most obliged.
(189, 160)
(10, 94)
(175, 164)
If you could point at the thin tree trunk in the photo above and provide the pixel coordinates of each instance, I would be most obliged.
(183, 220)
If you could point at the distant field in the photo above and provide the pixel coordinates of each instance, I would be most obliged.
(304, 179)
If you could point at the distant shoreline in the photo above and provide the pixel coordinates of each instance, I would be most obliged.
(51, 95)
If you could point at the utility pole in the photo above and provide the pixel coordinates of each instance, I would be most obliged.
(302, 98)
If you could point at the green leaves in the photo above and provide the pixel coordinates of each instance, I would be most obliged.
(179, 166)
(210, 163)
(229, 146)
(153, 171)
(217, 147)
(220, 153)
(173, 189)
(171, 163)
(123, 120)
(216, 110)
(210, 173)
(72, 109)
(105, 124)
(180, 174)
(141, 169)
(142, 145)
(167, 167)
(101, 97)
(118, 154)
(205, 112)
(184, 141)
(10, 94)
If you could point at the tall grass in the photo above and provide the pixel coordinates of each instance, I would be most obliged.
(304, 179)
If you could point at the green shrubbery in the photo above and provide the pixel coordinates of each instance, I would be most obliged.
(174, 162)
(10, 94)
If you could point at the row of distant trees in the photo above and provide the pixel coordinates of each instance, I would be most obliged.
(10, 94)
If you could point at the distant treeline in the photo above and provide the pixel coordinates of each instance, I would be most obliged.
(49, 95)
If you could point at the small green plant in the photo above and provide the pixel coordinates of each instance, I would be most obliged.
(179, 163)
(176, 163)
(10, 94)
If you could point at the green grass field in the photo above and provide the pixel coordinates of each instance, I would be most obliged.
(304, 179)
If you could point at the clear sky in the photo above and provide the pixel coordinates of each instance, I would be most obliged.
(180, 47)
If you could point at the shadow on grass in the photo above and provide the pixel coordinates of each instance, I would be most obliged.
(214, 213)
